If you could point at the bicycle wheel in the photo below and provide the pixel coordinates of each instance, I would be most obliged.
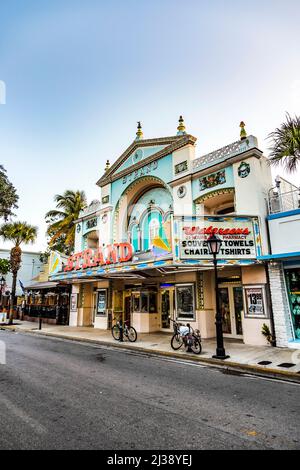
(196, 346)
(176, 342)
(131, 334)
(115, 331)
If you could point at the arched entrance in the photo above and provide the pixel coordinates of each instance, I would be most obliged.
(143, 206)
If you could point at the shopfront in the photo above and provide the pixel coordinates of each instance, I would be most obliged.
(140, 251)
(292, 278)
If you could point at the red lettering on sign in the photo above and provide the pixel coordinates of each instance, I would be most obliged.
(110, 254)
(98, 257)
(214, 230)
(70, 264)
(88, 261)
(125, 252)
(77, 258)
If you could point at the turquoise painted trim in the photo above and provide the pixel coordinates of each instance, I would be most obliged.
(279, 256)
(146, 152)
(163, 171)
(280, 215)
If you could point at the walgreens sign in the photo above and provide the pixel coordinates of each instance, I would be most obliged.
(237, 235)
(105, 255)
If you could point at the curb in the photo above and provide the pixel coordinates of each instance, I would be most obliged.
(227, 365)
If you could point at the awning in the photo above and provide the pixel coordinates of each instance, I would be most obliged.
(41, 285)
(280, 256)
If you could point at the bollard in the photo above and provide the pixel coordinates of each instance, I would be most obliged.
(40, 323)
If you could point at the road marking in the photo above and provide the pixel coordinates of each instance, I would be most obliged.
(19, 413)
(269, 379)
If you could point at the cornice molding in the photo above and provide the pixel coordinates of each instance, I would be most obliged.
(92, 215)
(175, 143)
(220, 165)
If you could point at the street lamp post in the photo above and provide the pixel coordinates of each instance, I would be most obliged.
(214, 244)
(2, 283)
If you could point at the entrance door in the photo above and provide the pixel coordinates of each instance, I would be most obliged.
(94, 307)
(127, 308)
(231, 306)
(167, 308)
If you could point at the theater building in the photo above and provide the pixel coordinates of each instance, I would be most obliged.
(140, 251)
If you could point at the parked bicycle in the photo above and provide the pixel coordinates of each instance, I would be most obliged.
(185, 335)
(119, 331)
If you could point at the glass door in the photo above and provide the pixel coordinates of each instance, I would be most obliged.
(94, 307)
(167, 308)
(238, 304)
(231, 307)
(224, 306)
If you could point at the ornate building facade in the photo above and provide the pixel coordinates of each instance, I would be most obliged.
(141, 253)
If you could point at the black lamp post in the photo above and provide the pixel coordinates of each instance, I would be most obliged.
(2, 282)
(214, 244)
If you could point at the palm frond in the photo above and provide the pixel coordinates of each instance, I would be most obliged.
(285, 144)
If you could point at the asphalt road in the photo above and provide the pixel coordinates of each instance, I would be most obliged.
(56, 394)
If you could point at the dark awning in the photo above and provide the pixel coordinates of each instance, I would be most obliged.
(41, 285)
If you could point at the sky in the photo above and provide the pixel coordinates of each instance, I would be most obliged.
(79, 75)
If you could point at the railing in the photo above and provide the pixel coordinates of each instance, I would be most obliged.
(93, 207)
(224, 153)
(51, 312)
(282, 202)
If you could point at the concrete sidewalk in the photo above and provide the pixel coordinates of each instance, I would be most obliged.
(282, 362)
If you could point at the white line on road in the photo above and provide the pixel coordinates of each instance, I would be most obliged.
(259, 377)
(19, 413)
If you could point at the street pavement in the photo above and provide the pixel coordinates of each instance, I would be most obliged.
(265, 360)
(58, 394)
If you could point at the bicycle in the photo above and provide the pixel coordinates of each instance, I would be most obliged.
(185, 335)
(119, 331)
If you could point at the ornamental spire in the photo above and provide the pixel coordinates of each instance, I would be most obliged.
(139, 134)
(107, 166)
(181, 127)
(243, 133)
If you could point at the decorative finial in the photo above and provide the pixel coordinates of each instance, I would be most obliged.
(107, 166)
(243, 133)
(181, 127)
(139, 134)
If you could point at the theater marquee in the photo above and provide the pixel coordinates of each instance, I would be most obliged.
(240, 237)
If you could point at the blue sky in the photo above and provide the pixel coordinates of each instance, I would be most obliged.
(80, 74)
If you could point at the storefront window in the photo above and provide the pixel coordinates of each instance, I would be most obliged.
(101, 302)
(136, 302)
(293, 287)
(144, 301)
(152, 302)
(185, 301)
(255, 302)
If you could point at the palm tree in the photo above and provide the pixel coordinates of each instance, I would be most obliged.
(285, 146)
(18, 233)
(61, 220)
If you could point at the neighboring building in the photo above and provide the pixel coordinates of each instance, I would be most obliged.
(45, 299)
(30, 268)
(140, 251)
(284, 261)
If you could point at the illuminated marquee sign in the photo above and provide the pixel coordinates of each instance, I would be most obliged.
(108, 254)
(237, 235)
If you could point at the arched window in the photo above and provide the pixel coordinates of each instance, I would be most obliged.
(91, 240)
(154, 227)
(135, 237)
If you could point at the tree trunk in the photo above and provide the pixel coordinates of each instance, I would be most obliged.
(13, 298)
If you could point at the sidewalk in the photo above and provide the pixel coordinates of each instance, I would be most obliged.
(242, 357)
